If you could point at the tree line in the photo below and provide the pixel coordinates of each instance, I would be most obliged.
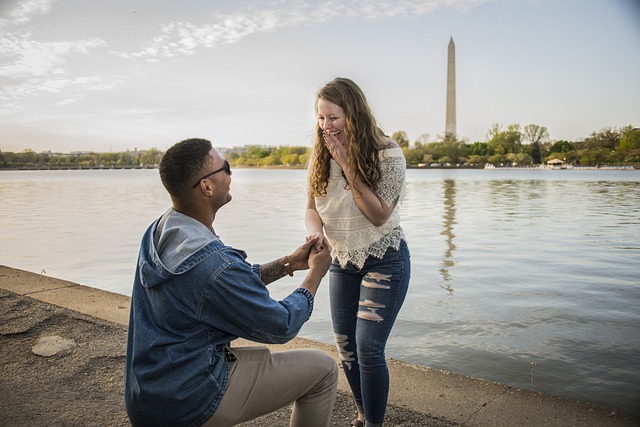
(510, 146)
(528, 146)
(80, 160)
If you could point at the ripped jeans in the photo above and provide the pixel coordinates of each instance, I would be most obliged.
(364, 307)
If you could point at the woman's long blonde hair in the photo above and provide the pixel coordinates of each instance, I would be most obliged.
(361, 135)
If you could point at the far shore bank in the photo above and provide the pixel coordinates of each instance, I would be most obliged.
(296, 167)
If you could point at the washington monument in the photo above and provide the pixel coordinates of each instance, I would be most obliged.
(450, 128)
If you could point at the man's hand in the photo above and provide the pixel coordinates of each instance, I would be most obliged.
(299, 259)
(319, 262)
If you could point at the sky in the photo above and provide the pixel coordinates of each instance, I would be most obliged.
(117, 75)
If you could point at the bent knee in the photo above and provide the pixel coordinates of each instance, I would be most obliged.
(323, 360)
(329, 365)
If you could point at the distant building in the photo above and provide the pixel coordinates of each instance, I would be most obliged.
(450, 127)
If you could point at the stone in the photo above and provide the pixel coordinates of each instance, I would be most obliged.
(52, 345)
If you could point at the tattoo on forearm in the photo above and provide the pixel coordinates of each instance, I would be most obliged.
(272, 271)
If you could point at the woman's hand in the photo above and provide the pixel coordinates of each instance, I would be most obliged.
(321, 241)
(336, 148)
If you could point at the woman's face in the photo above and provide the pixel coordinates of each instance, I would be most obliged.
(331, 118)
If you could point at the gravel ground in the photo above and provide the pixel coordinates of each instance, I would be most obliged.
(77, 378)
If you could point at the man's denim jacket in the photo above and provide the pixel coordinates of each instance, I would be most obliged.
(182, 320)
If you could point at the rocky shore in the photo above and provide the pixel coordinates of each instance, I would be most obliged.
(62, 352)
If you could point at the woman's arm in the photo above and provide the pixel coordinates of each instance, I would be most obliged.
(371, 206)
(374, 209)
(314, 225)
(312, 217)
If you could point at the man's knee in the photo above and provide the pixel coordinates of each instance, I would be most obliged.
(328, 365)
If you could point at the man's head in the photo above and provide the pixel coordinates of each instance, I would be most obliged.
(183, 163)
(196, 175)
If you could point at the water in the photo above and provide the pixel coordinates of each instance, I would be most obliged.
(510, 267)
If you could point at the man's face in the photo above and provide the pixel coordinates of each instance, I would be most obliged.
(221, 181)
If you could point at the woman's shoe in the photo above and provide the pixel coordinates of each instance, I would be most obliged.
(357, 423)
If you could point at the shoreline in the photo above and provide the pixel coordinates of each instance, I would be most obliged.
(632, 167)
(442, 398)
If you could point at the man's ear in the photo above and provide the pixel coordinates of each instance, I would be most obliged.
(206, 187)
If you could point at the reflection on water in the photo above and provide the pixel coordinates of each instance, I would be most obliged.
(449, 220)
(544, 264)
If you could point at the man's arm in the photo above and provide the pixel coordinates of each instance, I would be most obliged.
(272, 271)
(277, 269)
(318, 263)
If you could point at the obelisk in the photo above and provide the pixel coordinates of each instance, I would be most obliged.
(450, 128)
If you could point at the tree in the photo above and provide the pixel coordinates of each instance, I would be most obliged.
(304, 158)
(507, 141)
(150, 157)
(593, 157)
(630, 139)
(561, 147)
(497, 159)
(108, 159)
(412, 157)
(422, 139)
(536, 155)
(605, 138)
(535, 134)
(519, 159)
(476, 160)
(257, 152)
(29, 156)
(269, 161)
(290, 159)
(416, 154)
(454, 150)
(401, 138)
(128, 159)
(445, 160)
(479, 149)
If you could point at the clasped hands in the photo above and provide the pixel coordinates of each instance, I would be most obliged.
(314, 253)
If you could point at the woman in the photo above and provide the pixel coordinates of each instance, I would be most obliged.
(356, 182)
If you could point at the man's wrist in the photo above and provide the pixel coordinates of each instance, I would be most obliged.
(287, 266)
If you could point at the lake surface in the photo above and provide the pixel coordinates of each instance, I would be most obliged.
(510, 267)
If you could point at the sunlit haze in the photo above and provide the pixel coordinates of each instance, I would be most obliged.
(79, 75)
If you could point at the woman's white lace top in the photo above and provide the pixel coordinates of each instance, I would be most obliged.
(353, 238)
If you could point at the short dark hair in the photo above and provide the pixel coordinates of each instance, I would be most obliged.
(182, 163)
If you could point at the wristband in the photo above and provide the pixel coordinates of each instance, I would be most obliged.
(287, 266)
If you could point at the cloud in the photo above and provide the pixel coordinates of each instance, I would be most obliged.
(184, 38)
(34, 67)
(31, 67)
(34, 58)
(24, 11)
(74, 89)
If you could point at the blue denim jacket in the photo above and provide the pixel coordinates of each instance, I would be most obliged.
(182, 319)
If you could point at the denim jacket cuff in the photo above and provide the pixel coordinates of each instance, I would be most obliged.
(310, 298)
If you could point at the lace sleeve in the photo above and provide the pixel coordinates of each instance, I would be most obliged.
(391, 186)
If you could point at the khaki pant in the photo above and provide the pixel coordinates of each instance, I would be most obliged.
(261, 382)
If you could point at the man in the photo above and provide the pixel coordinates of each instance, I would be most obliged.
(193, 295)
